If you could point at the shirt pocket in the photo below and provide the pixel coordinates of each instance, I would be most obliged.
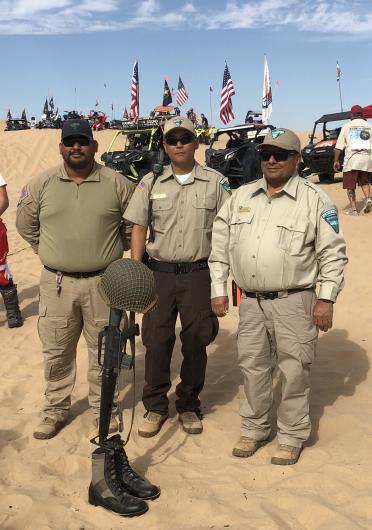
(240, 227)
(162, 212)
(205, 211)
(292, 234)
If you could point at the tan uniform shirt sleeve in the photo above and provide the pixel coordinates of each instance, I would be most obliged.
(137, 210)
(27, 217)
(330, 248)
(125, 189)
(218, 262)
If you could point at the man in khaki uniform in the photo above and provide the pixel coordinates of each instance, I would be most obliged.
(184, 201)
(278, 236)
(71, 216)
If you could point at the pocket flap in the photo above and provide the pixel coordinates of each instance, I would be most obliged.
(161, 204)
(207, 203)
(294, 224)
(59, 323)
(241, 217)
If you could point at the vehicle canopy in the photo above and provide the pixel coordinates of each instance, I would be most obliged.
(250, 131)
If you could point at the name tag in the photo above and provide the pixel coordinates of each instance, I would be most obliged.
(159, 196)
(244, 209)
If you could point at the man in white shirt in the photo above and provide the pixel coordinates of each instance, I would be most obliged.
(356, 140)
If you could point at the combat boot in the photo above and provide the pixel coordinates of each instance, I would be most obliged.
(134, 483)
(13, 313)
(106, 489)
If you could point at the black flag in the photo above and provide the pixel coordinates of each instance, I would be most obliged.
(45, 110)
(167, 96)
(51, 103)
(8, 116)
(23, 117)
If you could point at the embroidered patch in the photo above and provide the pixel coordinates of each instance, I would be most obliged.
(140, 185)
(276, 133)
(178, 121)
(331, 217)
(244, 209)
(23, 195)
(225, 184)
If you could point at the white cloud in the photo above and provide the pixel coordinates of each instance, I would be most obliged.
(329, 17)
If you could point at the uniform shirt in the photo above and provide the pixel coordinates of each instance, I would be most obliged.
(2, 181)
(356, 139)
(182, 214)
(75, 227)
(287, 241)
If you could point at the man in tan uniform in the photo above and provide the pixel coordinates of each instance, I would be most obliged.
(278, 236)
(72, 217)
(184, 201)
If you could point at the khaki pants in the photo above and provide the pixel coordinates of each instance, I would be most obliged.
(280, 333)
(78, 308)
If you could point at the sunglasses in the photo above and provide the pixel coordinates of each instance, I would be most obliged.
(184, 139)
(279, 156)
(72, 140)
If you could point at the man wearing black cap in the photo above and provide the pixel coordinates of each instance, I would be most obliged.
(71, 216)
(279, 236)
(356, 140)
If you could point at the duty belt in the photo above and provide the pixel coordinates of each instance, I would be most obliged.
(89, 274)
(271, 295)
(177, 268)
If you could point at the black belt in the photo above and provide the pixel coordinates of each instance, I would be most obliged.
(89, 274)
(271, 295)
(177, 268)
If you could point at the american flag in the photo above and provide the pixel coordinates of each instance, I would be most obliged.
(228, 90)
(134, 94)
(182, 95)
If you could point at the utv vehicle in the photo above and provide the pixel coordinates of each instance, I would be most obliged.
(238, 160)
(318, 157)
(49, 120)
(204, 134)
(16, 125)
(72, 115)
(133, 149)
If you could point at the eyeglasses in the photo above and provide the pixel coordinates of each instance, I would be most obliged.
(279, 156)
(184, 139)
(70, 141)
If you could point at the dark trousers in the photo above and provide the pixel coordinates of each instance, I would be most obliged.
(189, 295)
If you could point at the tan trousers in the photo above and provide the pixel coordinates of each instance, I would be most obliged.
(62, 318)
(280, 333)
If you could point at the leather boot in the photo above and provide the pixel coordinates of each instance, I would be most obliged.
(13, 313)
(134, 483)
(107, 491)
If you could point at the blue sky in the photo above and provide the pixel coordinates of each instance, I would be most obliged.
(51, 47)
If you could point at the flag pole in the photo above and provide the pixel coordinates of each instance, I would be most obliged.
(210, 106)
(339, 90)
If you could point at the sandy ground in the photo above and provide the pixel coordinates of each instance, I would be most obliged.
(43, 484)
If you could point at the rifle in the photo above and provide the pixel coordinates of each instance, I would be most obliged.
(115, 358)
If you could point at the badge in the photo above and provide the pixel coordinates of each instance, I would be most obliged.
(23, 195)
(178, 121)
(276, 133)
(330, 216)
(159, 196)
(225, 184)
(244, 209)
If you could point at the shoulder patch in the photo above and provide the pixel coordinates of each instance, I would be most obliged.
(140, 186)
(23, 195)
(331, 217)
(224, 182)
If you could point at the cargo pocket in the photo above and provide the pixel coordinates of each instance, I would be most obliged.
(205, 211)
(291, 235)
(58, 369)
(240, 226)
(209, 327)
(307, 346)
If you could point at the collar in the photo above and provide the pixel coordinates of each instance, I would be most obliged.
(290, 187)
(197, 173)
(94, 176)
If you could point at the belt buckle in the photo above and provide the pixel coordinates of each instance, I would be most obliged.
(182, 268)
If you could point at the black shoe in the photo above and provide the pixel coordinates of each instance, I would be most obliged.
(133, 483)
(107, 490)
(13, 313)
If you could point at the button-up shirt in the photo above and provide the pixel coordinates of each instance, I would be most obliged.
(288, 240)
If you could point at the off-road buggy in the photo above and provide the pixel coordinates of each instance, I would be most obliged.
(318, 157)
(98, 120)
(16, 125)
(72, 115)
(49, 120)
(238, 159)
(133, 149)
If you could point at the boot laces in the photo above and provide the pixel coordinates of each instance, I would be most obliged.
(122, 462)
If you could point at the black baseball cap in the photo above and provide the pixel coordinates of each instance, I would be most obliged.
(76, 127)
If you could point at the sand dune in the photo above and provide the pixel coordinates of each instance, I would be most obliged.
(43, 484)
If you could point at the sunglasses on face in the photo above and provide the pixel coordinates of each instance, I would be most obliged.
(279, 156)
(72, 140)
(184, 139)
